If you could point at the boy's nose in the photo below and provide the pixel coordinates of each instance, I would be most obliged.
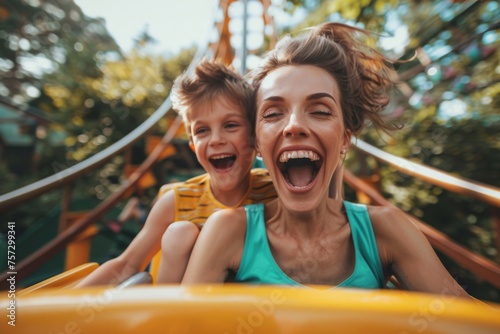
(217, 138)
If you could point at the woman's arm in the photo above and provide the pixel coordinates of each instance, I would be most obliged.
(406, 253)
(218, 249)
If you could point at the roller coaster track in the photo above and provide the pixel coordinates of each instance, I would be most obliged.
(483, 268)
(480, 266)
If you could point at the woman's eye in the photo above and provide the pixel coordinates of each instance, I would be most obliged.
(271, 113)
(321, 112)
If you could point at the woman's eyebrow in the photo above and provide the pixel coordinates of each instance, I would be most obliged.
(318, 96)
(273, 98)
(315, 96)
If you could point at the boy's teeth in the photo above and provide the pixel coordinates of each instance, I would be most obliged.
(222, 156)
(285, 156)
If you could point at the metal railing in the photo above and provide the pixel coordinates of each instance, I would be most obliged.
(477, 190)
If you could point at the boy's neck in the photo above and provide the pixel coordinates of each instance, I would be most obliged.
(233, 197)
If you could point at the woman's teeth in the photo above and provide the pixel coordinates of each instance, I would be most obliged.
(300, 154)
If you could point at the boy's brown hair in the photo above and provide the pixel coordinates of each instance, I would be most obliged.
(212, 79)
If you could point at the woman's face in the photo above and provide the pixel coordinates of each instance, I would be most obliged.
(300, 133)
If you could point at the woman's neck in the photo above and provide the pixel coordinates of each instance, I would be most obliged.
(328, 215)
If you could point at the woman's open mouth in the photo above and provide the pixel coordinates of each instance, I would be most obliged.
(299, 168)
(222, 161)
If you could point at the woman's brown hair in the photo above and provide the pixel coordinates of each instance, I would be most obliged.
(364, 76)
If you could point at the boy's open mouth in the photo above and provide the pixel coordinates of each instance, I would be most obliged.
(299, 168)
(222, 161)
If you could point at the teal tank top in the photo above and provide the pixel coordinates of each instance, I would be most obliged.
(258, 266)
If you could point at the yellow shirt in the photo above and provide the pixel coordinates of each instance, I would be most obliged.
(195, 202)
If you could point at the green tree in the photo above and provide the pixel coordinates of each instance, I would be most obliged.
(134, 88)
(46, 36)
(44, 44)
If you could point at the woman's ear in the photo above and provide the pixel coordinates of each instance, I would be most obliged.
(347, 141)
(191, 146)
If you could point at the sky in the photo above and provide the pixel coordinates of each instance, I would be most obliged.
(175, 24)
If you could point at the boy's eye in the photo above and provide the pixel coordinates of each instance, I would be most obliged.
(200, 131)
(231, 125)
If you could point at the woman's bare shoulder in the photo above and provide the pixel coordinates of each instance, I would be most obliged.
(398, 237)
(227, 225)
(227, 216)
(223, 236)
(389, 219)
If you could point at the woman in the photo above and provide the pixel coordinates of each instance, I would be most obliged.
(314, 92)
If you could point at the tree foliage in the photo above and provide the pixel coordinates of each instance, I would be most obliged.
(44, 36)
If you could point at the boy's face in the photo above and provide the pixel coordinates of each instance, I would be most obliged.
(221, 136)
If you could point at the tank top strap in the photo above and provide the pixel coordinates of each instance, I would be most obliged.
(364, 240)
(252, 258)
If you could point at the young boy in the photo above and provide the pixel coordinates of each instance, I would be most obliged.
(217, 107)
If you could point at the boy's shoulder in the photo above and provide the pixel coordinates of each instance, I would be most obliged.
(261, 186)
(261, 183)
(259, 172)
(260, 176)
(197, 182)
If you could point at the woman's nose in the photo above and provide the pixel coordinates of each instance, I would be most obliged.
(295, 126)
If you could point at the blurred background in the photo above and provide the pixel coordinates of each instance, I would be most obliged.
(69, 90)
